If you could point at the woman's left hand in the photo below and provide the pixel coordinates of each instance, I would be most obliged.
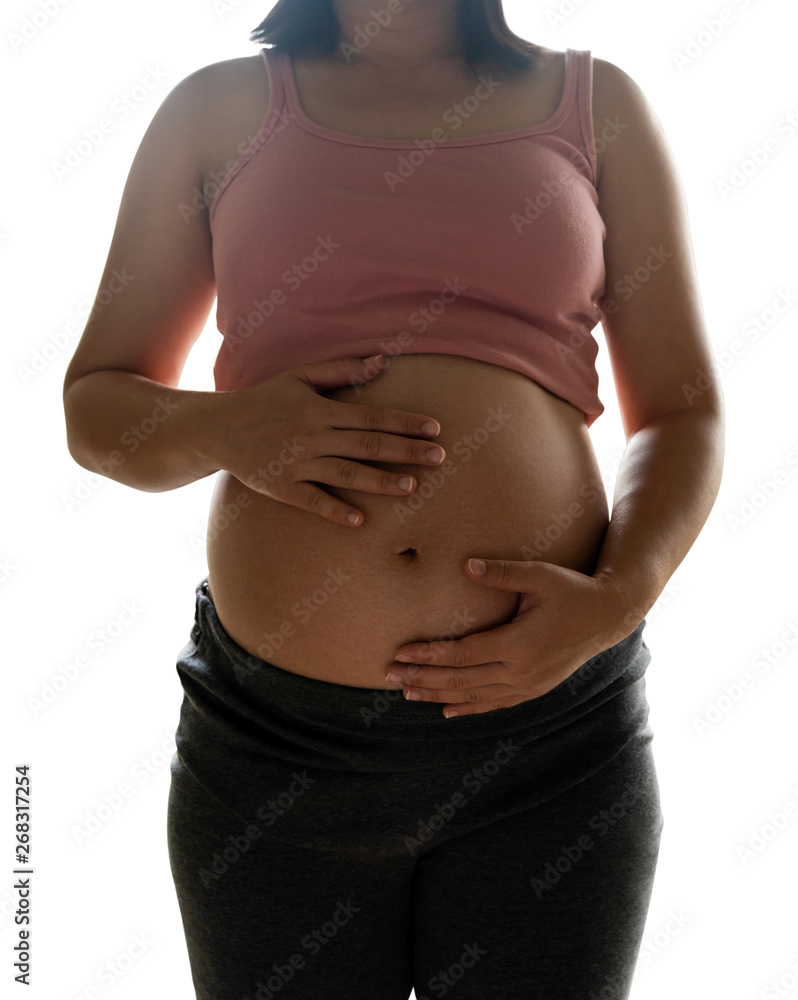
(564, 618)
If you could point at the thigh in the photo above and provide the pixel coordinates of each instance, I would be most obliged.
(264, 919)
(548, 903)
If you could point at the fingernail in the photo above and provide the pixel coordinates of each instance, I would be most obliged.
(477, 567)
(404, 658)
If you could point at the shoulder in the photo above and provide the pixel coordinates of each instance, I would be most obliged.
(215, 90)
(613, 85)
(223, 80)
(609, 77)
(620, 108)
(209, 110)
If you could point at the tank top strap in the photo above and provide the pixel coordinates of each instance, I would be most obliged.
(576, 125)
(275, 69)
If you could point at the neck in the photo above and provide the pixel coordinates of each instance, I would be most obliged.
(419, 40)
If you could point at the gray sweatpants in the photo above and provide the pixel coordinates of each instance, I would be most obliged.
(330, 842)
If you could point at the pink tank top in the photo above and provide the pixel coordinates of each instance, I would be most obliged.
(330, 245)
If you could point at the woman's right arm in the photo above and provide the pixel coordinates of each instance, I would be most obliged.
(125, 417)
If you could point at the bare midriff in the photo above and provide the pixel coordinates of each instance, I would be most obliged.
(520, 481)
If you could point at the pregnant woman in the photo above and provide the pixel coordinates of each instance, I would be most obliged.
(400, 769)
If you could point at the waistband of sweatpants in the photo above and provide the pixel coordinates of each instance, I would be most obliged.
(249, 680)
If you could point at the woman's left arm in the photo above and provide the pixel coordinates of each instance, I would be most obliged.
(665, 375)
(673, 415)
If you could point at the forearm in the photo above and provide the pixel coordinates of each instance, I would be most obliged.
(667, 484)
(139, 432)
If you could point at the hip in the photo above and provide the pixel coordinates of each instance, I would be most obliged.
(251, 733)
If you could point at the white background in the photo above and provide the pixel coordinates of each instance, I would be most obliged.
(68, 573)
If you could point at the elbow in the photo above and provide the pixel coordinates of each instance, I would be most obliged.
(703, 395)
(700, 401)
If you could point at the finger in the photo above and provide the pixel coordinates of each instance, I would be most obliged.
(480, 707)
(448, 678)
(316, 501)
(372, 446)
(350, 475)
(506, 574)
(479, 648)
(361, 416)
(469, 696)
(332, 374)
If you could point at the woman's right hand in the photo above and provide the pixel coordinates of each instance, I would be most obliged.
(280, 437)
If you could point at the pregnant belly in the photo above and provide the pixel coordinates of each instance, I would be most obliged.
(520, 481)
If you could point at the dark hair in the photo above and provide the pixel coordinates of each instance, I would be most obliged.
(484, 33)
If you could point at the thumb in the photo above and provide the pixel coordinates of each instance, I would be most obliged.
(337, 372)
(506, 574)
(524, 578)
